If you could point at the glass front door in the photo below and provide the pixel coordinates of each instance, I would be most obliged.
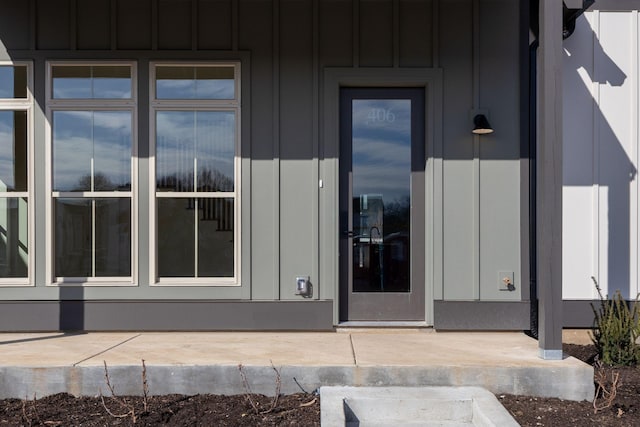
(381, 203)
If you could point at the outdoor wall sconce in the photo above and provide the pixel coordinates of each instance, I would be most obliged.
(481, 125)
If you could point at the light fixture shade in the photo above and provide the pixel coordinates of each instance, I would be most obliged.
(481, 125)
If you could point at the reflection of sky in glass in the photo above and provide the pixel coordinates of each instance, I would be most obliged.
(381, 145)
(99, 82)
(195, 83)
(105, 88)
(195, 89)
(208, 136)
(79, 137)
(6, 82)
(13, 81)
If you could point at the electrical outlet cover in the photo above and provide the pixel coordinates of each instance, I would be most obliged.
(506, 281)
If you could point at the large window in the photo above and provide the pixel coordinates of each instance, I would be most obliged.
(195, 113)
(91, 110)
(15, 174)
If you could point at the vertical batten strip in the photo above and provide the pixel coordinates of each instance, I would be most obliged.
(154, 24)
(276, 148)
(235, 27)
(356, 33)
(114, 24)
(595, 144)
(396, 33)
(435, 24)
(194, 25)
(315, 96)
(33, 22)
(73, 25)
(475, 88)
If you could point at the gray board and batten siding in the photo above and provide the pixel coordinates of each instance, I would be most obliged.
(467, 54)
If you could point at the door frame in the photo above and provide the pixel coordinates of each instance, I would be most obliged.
(335, 78)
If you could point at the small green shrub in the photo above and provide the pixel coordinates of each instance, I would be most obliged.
(616, 330)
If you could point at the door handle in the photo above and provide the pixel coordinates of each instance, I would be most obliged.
(348, 233)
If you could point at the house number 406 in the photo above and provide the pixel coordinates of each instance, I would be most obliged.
(380, 115)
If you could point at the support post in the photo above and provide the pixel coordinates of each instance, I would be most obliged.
(549, 180)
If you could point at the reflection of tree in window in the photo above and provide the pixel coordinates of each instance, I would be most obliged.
(396, 215)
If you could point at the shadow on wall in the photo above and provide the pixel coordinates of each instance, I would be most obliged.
(595, 154)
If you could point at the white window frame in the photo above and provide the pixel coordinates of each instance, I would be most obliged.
(91, 104)
(23, 104)
(156, 105)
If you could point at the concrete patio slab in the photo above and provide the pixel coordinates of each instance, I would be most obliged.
(228, 348)
(192, 363)
(56, 349)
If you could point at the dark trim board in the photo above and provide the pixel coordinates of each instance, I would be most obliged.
(26, 316)
(479, 315)
(579, 313)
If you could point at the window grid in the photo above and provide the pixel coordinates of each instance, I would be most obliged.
(198, 197)
(92, 106)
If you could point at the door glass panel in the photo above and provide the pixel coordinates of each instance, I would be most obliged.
(381, 172)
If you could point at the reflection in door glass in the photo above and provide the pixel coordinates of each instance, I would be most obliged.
(381, 171)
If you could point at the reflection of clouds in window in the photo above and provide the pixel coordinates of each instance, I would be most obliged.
(112, 149)
(79, 88)
(388, 181)
(389, 152)
(71, 88)
(78, 137)
(200, 82)
(83, 82)
(381, 166)
(381, 147)
(112, 88)
(391, 116)
(208, 136)
(195, 89)
(6, 82)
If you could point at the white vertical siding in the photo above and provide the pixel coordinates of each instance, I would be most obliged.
(600, 218)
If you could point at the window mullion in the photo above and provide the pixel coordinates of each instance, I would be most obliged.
(93, 237)
(195, 243)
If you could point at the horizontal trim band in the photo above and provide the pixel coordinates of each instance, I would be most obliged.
(482, 315)
(29, 316)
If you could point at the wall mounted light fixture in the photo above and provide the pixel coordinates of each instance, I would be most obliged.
(481, 125)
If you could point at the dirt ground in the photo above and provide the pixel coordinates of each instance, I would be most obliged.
(303, 409)
(173, 410)
(624, 410)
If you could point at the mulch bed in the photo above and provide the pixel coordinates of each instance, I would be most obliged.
(303, 409)
(624, 410)
(173, 410)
